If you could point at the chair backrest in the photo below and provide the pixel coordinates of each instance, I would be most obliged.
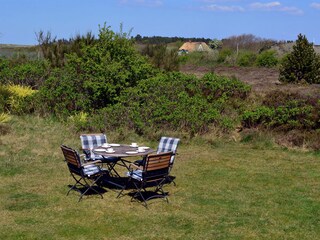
(72, 157)
(156, 166)
(168, 144)
(89, 141)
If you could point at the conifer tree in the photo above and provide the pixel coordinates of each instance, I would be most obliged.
(302, 64)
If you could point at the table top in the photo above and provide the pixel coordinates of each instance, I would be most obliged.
(122, 150)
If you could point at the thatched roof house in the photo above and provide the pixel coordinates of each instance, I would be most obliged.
(195, 47)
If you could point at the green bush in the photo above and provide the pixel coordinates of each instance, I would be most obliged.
(25, 73)
(284, 111)
(4, 98)
(178, 102)
(224, 54)
(246, 59)
(95, 78)
(267, 59)
(161, 57)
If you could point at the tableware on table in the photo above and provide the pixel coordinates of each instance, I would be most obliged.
(100, 150)
(114, 145)
(141, 149)
(131, 152)
(110, 150)
(105, 145)
(144, 147)
(134, 144)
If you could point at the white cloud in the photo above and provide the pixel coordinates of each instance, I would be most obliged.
(220, 8)
(266, 6)
(275, 6)
(315, 5)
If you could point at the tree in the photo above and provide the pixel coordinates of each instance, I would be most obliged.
(247, 42)
(302, 64)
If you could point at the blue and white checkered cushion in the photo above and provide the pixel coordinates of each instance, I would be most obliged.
(168, 144)
(91, 169)
(89, 141)
(136, 174)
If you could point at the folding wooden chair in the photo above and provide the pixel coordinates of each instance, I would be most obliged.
(166, 144)
(86, 175)
(154, 173)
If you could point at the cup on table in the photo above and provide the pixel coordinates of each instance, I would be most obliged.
(110, 150)
(141, 149)
(134, 144)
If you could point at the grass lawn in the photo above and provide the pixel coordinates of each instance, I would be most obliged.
(224, 191)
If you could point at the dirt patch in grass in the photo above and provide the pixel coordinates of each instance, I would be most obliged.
(262, 80)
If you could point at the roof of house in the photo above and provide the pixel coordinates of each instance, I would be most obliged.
(195, 46)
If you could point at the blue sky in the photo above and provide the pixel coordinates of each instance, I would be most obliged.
(278, 20)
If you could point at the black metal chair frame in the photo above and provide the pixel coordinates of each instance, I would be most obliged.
(76, 169)
(155, 173)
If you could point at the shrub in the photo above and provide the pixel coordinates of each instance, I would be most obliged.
(284, 111)
(224, 54)
(4, 98)
(161, 57)
(16, 99)
(21, 99)
(246, 59)
(26, 73)
(267, 59)
(179, 102)
(62, 94)
(79, 121)
(302, 64)
(95, 78)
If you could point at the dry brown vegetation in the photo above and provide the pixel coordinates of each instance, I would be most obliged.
(262, 80)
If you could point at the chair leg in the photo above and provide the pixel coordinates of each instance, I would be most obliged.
(124, 187)
(139, 193)
(78, 182)
(112, 169)
(90, 187)
(162, 194)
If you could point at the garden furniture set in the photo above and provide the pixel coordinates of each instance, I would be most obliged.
(100, 163)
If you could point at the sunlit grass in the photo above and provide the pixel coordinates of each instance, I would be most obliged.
(225, 190)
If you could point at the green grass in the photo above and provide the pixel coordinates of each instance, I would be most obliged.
(224, 191)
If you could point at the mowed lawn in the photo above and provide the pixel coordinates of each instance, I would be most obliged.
(224, 190)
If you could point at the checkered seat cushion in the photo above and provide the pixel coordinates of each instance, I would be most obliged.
(90, 170)
(90, 141)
